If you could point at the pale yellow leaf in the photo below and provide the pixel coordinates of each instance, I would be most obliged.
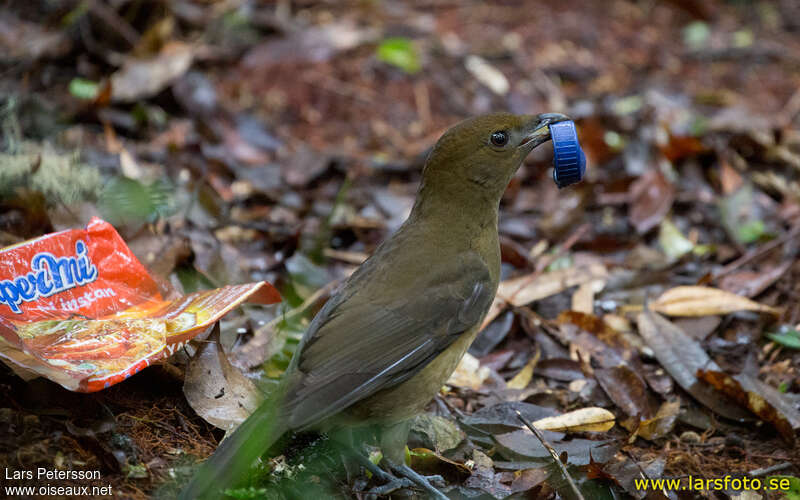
(523, 378)
(592, 419)
(705, 301)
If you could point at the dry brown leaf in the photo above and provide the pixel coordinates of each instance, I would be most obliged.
(681, 356)
(526, 289)
(584, 420)
(705, 301)
(651, 198)
(763, 400)
(216, 390)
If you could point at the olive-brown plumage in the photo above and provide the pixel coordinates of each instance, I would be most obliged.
(390, 337)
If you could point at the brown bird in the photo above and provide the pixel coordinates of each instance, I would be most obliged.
(385, 343)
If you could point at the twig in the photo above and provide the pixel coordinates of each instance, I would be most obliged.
(758, 252)
(553, 454)
(769, 470)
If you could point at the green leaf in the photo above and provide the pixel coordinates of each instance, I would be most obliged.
(751, 231)
(83, 89)
(779, 483)
(787, 338)
(399, 52)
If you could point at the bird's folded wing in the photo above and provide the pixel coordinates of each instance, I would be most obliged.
(357, 347)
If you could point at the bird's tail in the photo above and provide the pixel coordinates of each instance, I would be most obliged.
(234, 456)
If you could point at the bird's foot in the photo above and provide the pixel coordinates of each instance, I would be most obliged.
(424, 482)
(404, 477)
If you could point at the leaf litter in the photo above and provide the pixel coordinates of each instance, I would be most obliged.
(255, 143)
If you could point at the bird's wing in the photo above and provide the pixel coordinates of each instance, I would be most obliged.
(356, 346)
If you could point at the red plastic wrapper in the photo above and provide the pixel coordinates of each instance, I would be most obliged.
(77, 307)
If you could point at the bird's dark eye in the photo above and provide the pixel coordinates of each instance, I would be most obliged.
(499, 138)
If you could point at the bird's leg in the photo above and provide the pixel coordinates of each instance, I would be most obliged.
(419, 480)
(393, 446)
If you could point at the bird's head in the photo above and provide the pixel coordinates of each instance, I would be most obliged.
(480, 155)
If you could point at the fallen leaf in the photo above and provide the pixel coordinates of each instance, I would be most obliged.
(523, 378)
(469, 373)
(484, 477)
(523, 444)
(217, 391)
(562, 369)
(491, 335)
(583, 298)
(661, 424)
(700, 327)
(27, 42)
(651, 198)
(526, 479)
(526, 289)
(752, 283)
(583, 420)
(626, 389)
(766, 402)
(429, 462)
(672, 242)
(310, 45)
(705, 301)
(786, 337)
(681, 356)
(142, 78)
(503, 417)
(741, 214)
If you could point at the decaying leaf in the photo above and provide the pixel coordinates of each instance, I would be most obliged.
(763, 400)
(626, 389)
(583, 420)
(216, 390)
(705, 301)
(681, 356)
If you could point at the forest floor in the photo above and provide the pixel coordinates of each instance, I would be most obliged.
(233, 141)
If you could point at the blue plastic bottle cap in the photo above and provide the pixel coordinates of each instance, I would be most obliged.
(569, 162)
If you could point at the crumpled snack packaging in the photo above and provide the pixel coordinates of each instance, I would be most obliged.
(77, 307)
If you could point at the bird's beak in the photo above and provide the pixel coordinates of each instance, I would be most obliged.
(539, 129)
